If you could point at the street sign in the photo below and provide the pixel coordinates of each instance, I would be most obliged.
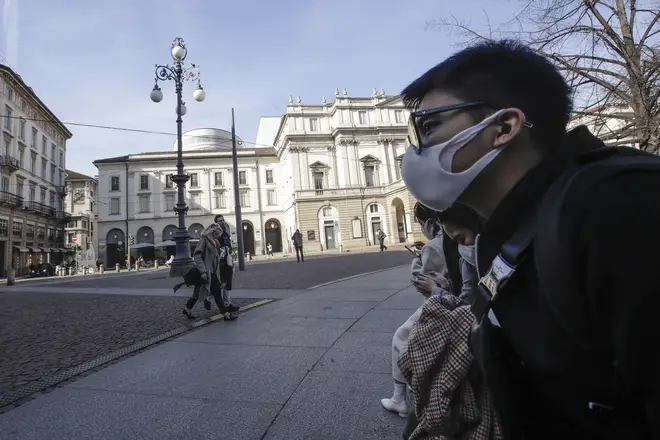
(74, 239)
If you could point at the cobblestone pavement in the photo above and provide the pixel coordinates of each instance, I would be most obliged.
(42, 334)
(277, 274)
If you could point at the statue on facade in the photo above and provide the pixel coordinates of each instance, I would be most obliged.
(337, 91)
(323, 101)
(298, 101)
(345, 92)
(290, 100)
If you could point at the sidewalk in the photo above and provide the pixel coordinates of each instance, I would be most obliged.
(311, 366)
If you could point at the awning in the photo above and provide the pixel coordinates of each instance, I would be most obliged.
(142, 245)
(34, 249)
(166, 243)
(60, 250)
(46, 250)
(21, 249)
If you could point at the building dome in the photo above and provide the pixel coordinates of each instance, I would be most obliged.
(205, 139)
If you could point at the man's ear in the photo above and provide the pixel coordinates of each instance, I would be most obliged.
(510, 125)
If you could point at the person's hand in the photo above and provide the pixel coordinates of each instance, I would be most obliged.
(424, 285)
(205, 277)
(438, 279)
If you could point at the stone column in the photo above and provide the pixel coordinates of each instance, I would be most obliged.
(333, 152)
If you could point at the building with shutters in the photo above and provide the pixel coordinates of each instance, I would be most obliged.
(80, 203)
(32, 186)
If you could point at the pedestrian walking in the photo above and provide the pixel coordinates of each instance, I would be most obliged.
(204, 275)
(226, 263)
(269, 250)
(297, 240)
(381, 239)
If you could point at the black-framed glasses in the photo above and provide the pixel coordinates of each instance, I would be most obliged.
(414, 136)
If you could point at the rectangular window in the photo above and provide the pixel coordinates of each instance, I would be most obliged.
(29, 231)
(62, 159)
(10, 94)
(44, 143)
(21, 157)
(362, 117)
(52, 152)
(271, 198)
(317, 177)
(269, 176)
(194, 180)
(313, 124)
(6, 150)
(369, 175)
(8, 118)
(44, 172)
(114, 183)
(51, 196)
(21, 129)
(114, 206)
(168, 181)
(398, 116)
(144, 182)
(45, 151)
(33, 140)
(245, 198)
(17, 229)
(5, 184)
(41, 233)
(4, 227)
(32, 194)
(53, 174)
(144, 203)
(19, 188)
(218, 179)
(219, 200)
(42, 197)
(242, 178)
(169, 202)
(33, 164)
(51, 234)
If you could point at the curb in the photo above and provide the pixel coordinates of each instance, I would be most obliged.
(353, 276)
(42, 384)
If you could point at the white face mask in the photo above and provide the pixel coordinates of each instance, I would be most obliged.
(468, 254)
(427, 230)
(428, 174)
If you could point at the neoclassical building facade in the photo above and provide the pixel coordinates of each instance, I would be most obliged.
(136, 196)
(344, 158)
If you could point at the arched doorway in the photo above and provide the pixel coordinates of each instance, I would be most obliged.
(168, 237)
(145, 237)
(399, 216)
(375, 214)
(274, 234)
(115, 242)
(248, 237)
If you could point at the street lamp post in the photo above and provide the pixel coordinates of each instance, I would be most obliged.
(179, 74)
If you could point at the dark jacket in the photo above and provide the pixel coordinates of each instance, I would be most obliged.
(542, 382)
(297, 239)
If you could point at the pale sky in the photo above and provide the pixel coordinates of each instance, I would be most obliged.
(92, 61)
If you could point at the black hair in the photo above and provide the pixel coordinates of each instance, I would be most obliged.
(460, 215)
(503, 74)
(424, 213)
(215, 220)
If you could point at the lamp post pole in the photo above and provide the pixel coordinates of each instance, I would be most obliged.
(179, 74)
(237, 197)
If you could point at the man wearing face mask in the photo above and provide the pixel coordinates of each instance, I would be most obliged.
(566, 308)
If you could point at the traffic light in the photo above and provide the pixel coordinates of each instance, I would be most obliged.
(131, 240)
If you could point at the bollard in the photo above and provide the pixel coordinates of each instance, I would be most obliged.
(117, 267)
(84, 270)
(137, 267)
(69, 271)
(156, 265)
(102, 268)
(11, 277)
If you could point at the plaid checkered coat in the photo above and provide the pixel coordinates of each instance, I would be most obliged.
(449, 395)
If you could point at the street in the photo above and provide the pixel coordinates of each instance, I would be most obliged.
(50, 327)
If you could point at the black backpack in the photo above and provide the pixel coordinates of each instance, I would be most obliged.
(544, 232)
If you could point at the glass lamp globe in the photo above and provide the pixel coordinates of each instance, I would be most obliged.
(184, 110)
(199, 94)
(156, 94)
(178, 52)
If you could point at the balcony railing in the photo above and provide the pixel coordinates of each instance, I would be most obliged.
(62, 217)
(340, 192)
(10, 162)
(40, 208)
(10, 199)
